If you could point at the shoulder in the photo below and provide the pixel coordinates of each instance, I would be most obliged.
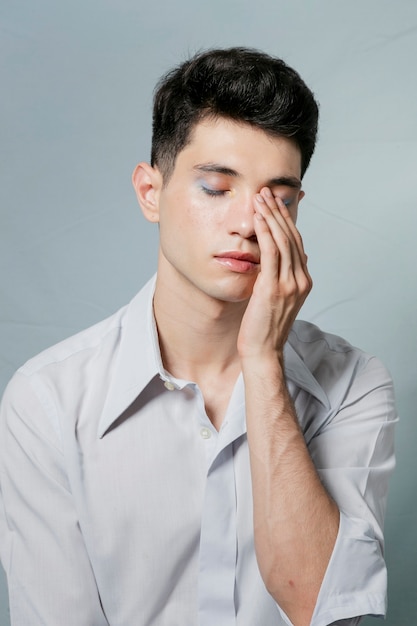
(308, 338)
(76, 347)
(98, 342)
(67, 375)
(357, 388)
(316, 347)
(63, 369)
(335, 363)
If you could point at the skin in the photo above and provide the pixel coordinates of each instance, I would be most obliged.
(232, 277)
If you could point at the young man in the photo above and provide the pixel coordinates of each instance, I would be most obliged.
(201, 458)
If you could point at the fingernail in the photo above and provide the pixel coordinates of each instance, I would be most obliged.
(259, 198)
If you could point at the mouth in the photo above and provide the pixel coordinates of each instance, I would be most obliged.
(240, 262)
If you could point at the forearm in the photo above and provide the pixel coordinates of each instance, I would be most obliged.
(295, 520)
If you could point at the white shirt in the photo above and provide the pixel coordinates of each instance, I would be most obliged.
(120, 503)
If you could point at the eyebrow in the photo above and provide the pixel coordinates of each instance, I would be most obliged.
(278, 181)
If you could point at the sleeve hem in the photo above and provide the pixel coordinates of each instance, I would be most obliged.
(351, 606)
(348, 606)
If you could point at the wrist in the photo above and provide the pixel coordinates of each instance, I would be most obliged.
(263, 365)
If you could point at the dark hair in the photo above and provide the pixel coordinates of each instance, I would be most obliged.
(241, 84)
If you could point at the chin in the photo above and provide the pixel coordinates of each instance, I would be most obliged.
(231, 293)
(232, 288)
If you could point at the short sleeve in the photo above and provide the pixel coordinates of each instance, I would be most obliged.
(49, 575)
(354, 456)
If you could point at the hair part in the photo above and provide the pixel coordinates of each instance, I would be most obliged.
(241, 84)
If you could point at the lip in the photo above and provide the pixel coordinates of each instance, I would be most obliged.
(240, 262)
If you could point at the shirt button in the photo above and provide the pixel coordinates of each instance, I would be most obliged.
(169, 385)
(205, 433)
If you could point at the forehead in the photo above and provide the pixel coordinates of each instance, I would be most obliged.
(241, 147)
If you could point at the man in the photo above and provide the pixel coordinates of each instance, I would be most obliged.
(201, 457)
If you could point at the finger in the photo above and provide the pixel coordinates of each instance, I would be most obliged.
(270, 257)
(299, 258)
(281, 234)
(275, 205)
(286, 214)
(280, 210)
(293, 260)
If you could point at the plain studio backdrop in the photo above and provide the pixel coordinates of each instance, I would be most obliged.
(75, 109)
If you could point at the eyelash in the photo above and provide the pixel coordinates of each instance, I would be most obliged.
(214, 192)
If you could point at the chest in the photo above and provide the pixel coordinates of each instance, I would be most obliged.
(161, 499)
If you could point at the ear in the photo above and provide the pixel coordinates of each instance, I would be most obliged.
(147, 182)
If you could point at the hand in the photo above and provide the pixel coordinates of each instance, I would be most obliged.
(283, 282)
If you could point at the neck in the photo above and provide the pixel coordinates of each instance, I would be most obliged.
(197, 333)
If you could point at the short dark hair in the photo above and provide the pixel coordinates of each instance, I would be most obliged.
(241, 84)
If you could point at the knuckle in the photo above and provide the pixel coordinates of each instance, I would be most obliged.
(305, 284)
(290, 289)
(286, 242)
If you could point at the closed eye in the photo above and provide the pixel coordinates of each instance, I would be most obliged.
(286, 201)
(214, 192)
(210, 191)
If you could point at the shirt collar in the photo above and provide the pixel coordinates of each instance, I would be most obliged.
(297, 371)
(138, 361)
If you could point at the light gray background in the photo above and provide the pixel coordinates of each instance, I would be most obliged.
(75, 110)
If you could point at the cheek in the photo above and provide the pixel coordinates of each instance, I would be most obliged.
(191, 215)
(204, 214)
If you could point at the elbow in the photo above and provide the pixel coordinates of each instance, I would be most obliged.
(293, 596)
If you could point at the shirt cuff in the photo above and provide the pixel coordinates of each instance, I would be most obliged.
(355, 582)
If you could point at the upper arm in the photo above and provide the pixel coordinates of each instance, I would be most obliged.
(354, 456)
(42, 549)
(354, 452)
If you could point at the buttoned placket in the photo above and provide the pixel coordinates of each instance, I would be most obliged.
(218, 539)
(218, 536)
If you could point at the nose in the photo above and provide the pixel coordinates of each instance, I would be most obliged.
(241, 217)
